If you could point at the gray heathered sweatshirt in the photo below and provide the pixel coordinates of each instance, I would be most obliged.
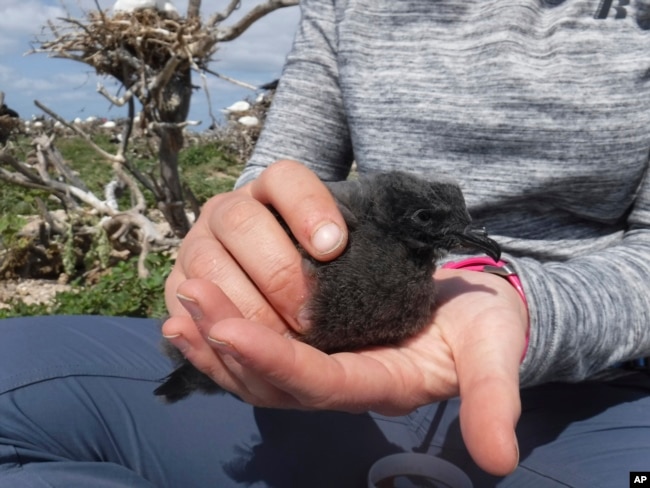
(539, 108)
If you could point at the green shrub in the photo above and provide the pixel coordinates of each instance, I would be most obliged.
(119, 292)
(95, 171)
(208, 169)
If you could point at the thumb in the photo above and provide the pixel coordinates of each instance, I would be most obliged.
(490, 402)
(488, 416)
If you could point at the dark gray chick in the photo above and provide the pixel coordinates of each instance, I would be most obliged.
(380, 290)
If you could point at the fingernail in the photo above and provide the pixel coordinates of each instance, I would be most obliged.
(191, 306)
(225, 347)
(517, 449)
(327, 238)
(179, 342)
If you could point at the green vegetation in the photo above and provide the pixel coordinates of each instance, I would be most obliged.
(86, 161)
(102, 282)
(209, 169)
(119, 292)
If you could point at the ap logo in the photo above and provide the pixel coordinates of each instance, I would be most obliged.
(640, 478)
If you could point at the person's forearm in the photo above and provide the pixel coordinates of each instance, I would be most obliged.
(587, 313)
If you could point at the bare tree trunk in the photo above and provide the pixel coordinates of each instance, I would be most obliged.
(174, 108)
(193, 9)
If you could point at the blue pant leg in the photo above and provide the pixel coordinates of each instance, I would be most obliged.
(590, 434)
(71, 474)
(76, 404)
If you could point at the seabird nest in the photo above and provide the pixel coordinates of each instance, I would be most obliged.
(120, 45)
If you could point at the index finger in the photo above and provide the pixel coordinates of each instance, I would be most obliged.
(313, 379)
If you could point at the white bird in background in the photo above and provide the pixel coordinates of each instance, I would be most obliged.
(166, 6)
(241, 106)
(132, 5)
(249, 121)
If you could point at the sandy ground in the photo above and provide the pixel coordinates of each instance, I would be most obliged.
(29, 291)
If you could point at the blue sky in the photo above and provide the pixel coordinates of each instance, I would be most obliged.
(69, 88)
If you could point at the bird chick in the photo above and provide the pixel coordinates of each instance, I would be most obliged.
(380, 290)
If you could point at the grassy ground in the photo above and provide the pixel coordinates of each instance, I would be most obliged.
(207, 168)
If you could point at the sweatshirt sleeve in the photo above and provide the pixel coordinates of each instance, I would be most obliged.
(591, 311)
(307, 122)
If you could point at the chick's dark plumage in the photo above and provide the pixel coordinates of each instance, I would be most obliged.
(380, 290)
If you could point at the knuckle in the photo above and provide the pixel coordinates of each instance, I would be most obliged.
(282, 273)
(237, 215)
(259, 312)
(279, 170)
(201, 258)
(319, 403)
(270, 397)
(208, 210)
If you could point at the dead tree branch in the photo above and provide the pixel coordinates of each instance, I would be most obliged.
(256, 13)
(231, 80)
(221, 16)
(136, 230)
(77, 130)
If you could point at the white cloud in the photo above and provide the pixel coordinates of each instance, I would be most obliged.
(25, 19)
(13, 80)
(5, 73)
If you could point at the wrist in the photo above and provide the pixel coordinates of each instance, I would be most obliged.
(499, 268)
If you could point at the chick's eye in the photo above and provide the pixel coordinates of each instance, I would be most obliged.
(422, 216)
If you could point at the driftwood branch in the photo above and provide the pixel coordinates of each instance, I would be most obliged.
(221, 16)
(124, 99)
(20, 180)
(118, 161)
(156, 126)
(134, 228)
(26, 173)
(78, 131)
(126, 132)
(231, 80)
(61, 189)
(234, 31)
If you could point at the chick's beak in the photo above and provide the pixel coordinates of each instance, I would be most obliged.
(477, 238)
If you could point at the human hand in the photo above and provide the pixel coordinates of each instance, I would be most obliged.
(472, 349)
(239, 245)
